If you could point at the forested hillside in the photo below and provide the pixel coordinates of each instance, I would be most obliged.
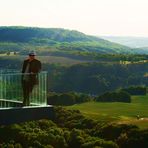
(96, 78)
(90, 78)
(47, 39)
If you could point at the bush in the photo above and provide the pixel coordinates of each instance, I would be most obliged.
(136, 90)
(120, 96)
(68, 98)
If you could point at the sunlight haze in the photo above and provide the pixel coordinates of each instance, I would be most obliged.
(95, 17)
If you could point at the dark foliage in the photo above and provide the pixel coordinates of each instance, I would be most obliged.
(91, 78)
(97, 78)
(68, 98)
(70, 129)
(45, 133)
(118, 96)
(133, 90)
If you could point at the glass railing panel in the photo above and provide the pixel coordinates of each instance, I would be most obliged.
(11, 91)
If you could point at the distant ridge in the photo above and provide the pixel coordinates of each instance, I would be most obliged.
(25, 34)
(60, 38)
(133, 42)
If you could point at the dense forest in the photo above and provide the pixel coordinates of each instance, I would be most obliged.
(91, 78)
(97, 78)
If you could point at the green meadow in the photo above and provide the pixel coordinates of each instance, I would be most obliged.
(117, 112)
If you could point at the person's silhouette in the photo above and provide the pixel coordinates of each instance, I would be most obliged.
(31, 68)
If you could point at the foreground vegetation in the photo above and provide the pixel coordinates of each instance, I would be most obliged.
(70, 129)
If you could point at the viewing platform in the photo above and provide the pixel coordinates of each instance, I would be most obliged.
(12, 109)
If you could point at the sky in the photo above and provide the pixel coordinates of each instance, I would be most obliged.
(94, 17)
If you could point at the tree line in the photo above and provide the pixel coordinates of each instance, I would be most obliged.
(96, 78)
(71, 98)
(90, 78)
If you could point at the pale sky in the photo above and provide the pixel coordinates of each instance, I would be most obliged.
(94, 17)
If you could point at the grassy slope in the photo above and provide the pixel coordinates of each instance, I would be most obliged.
(45, 59)
(119, 112)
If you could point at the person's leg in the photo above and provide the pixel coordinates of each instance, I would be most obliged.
(25, 93)
(30, 88)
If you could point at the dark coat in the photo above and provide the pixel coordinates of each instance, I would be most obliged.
(34, 69)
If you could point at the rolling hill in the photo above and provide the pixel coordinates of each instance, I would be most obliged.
(20, 38)
(133, 42)
(139, 43)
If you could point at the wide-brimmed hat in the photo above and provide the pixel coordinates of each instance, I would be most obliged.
(32, 53)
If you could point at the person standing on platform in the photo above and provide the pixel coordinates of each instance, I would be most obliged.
(31, 68)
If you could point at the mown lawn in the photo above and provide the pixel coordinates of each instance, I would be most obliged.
(117, 112)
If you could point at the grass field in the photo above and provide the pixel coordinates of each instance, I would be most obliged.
(117, 112)
(46, 59)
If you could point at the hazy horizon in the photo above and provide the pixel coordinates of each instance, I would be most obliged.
(127, 18)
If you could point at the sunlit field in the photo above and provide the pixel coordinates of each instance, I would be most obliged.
(46, 59)
(117, 112)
